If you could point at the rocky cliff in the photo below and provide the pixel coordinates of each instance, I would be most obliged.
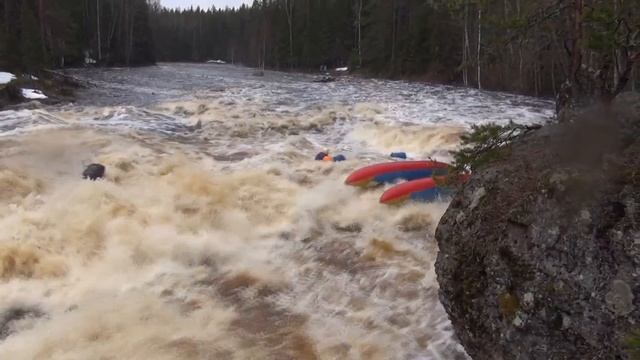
(540, 251)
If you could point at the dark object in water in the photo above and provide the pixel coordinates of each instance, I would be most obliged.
(399, 155)
(94, 172)
(325, 79)
(12, 315)
(197, 126)
(321, 155)
(338, 158)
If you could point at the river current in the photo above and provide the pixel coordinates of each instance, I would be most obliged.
(215, 235)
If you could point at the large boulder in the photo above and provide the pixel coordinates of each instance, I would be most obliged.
(15, 318)
(540, 251)
(94, 172)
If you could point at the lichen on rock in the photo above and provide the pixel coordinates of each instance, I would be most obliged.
(620, 298)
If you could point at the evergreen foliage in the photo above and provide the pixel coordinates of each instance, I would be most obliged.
(485, 144)
(572, 49)
(524, 46)
(35, 34)
(30, 41)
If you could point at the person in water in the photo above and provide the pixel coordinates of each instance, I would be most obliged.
(323, 156)
(326, 156)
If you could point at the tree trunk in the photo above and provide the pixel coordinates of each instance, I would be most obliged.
(359, 19)
(114, 23)
(98, 30)
(8, 13)
(130, 11)
(42, 28)
(264, 44)
(521, 68)
(506, 18)
(520, 56)
(617, 56)
(130, 46)
(394, 30)
(553, 77)
(625, 76)
(479, 45)
(576, 52)
(289, 10)
(465, 46)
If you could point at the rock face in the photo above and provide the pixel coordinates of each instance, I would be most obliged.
(540, 251)
(12, 316)
(94, 172)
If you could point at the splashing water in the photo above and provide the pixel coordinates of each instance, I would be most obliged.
(214, 234)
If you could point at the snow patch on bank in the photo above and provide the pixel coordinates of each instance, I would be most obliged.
(33, 94)
(6, 77)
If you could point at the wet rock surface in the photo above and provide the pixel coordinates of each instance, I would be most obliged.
(10, 319)
(540, 252)
(94, 172)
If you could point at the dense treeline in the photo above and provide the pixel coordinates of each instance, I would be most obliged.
(307, 34)
(540, 47)
(570, 48)
(57, 33)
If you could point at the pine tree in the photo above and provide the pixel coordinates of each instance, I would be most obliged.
(30, 40)
(3, 42)
(143, 45)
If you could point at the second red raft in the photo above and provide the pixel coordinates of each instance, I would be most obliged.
(423, 190)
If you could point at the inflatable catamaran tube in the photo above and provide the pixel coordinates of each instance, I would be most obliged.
(388, 173)
(422, 190)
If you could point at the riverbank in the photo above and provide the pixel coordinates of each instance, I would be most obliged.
(49, 87)
(59, 86)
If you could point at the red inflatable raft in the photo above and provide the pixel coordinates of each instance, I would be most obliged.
(400, 170)
(423, 190)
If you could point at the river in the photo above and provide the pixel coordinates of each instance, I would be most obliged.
(215, 235)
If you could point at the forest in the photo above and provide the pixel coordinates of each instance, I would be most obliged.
(527, 46)
(36, 34)
(570, 48)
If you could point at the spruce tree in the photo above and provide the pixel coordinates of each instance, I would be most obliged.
(30, 40)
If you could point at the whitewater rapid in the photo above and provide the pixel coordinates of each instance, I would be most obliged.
(215, 235)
